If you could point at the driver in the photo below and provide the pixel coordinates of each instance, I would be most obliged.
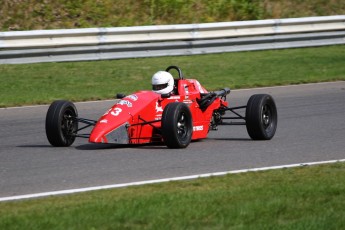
(162, 82)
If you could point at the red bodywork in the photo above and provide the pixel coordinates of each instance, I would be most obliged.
(136, 119)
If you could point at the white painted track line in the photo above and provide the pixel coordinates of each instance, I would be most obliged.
(79, 190)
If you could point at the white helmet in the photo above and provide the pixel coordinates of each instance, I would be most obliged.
(162, 82)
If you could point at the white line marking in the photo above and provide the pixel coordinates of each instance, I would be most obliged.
(88, 189)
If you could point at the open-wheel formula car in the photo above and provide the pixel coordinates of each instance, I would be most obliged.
(187, 113)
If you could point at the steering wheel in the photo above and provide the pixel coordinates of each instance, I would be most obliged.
(180, 75)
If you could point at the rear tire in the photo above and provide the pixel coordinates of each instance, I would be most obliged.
(61, 123)
(177, 125)
(261, 117)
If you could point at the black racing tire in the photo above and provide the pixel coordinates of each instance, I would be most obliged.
(61, 123)
(177, 125)
(261, 117)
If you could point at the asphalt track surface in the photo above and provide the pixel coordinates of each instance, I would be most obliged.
(311, 127)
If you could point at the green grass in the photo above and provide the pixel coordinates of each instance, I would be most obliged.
(42, 83)
(301, 198)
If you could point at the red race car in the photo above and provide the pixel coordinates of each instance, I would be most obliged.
(175, 112)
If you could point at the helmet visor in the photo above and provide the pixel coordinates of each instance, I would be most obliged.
(159, 87)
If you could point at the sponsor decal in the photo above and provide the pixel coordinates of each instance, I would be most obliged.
(186, 88)
(125, 102)
(174, 97)
(198, 128)
(158, 108)
(104, 121)
(133, 97)
(199, 87)
(187, 101)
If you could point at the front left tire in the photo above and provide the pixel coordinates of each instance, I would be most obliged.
(61, 123)
(177, 126)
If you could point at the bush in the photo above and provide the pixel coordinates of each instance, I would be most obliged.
(64, 14)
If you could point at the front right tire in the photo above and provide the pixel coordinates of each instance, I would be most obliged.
(261, 117)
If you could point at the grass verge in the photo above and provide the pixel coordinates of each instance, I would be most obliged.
(53, 14)
(300, 198)
(79, 81)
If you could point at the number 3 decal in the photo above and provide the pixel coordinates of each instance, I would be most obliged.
(116, 111)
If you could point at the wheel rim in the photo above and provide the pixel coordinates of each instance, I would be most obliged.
(182, 127)
(266, 116)
(68, 124)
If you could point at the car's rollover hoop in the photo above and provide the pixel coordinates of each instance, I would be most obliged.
(186, 114)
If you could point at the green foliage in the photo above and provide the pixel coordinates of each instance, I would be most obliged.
(300, 198)
(64, 14)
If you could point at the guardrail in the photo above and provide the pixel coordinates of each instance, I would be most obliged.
(151, 41)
